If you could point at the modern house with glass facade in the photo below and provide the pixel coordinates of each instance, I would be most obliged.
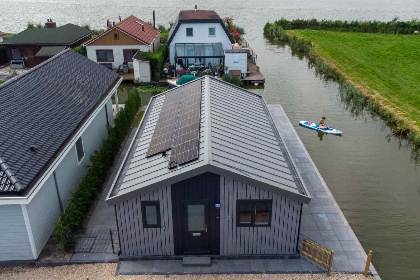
(197, 40)
(207, 173)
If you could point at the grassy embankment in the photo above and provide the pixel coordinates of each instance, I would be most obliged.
(378, 71)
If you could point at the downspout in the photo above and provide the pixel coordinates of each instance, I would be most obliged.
(118, 228)
(58, 193)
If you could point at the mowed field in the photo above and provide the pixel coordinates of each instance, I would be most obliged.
(384, 64)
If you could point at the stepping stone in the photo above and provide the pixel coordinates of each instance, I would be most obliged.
(193, 261)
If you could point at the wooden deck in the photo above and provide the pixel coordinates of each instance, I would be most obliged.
(255, 76)
(127, 76)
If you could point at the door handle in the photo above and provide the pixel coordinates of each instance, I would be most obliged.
(206, 228)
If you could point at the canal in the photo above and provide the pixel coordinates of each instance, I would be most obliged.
(372, 176)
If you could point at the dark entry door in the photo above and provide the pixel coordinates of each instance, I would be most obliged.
(196, 221)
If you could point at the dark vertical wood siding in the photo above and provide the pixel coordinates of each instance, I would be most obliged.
(202, 187)
(137, 241)
(280, 238)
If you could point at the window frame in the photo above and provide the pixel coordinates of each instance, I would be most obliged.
(109, 50)
(192, 32)
(116, 36)
(214, 35)
(253, 203)
(143, 213)
(133, 52)
(77, 151)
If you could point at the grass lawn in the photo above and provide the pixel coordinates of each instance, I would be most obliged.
(385, 64)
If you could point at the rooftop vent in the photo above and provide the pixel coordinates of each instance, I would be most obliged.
(50, 24)
(33, 149)
(195, 8)
(142, 25)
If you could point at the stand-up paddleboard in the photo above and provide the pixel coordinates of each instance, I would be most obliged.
(315, 126)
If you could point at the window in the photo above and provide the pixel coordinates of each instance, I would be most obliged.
(105, 55)
(151, 214)
(252, 213)
(116, 36)
(16, 53)
(189, 32)
(128, 55)
(212, 31)
(80, 150)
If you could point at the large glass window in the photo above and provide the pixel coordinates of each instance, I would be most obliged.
(105, 56)
(151, 214)
(253, 212)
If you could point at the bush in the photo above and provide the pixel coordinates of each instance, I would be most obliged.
(3, 55)
(157, 59)
(152, 89)
(394, 26)
(233, 80)
(87, 190)
(81, 50)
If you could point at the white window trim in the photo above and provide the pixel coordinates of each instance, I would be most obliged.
(214, 32)
(75, 147)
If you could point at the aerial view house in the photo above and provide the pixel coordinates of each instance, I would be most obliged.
(207, 173)
(23, 48)
(52, 119)
(116, 47)
(198, 39)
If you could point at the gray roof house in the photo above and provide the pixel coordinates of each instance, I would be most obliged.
(52, 118)
(207, 173)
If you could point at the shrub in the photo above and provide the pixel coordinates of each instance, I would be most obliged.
(157, 59)
(1, 82)
(152, 89)
(81, 50)
(87, 190)
(233, 80)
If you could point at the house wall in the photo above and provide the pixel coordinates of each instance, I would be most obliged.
(200, 35)
(138, 241)
(44, 209)
(280, 237)
(14, 240)
(240, 65)
(118, 53)
(142, 71)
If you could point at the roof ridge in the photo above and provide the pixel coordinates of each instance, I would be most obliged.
(11, 81)
(10, 175)
(118, 23)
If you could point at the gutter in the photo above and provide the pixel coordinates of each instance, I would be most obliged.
(6, 200)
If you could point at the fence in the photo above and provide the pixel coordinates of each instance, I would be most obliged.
(316, 253)
(98, 241)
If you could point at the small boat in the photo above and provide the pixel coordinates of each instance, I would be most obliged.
(314, 126)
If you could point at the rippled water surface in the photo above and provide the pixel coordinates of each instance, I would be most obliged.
(374, 181)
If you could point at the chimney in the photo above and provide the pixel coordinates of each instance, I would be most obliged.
(113, 23)
(195, 9)
(154, 20)
(142, 27)
(50, 24)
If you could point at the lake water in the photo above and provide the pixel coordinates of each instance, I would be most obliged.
(373, 179)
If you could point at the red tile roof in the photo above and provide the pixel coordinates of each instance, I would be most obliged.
(2, 33)
(199, 14)
(133, 26)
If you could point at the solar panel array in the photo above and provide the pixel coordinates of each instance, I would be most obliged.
(178, 126)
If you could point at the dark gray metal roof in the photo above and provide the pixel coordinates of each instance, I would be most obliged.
(41, 109)
(237, 139)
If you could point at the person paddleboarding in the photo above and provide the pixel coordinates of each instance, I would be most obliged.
(322, 123)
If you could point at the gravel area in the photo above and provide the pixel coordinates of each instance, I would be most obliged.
(107, 271)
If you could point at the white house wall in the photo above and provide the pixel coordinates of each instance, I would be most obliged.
(200, 35)
(142, 71)
(240, 64)
(14, 240)
(118, 53)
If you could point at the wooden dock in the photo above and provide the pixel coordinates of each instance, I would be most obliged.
(255, 77)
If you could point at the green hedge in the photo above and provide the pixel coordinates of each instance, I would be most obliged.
(394, 26)
(233, 80)
(157, 59)
(349, 93)
(81, 50)
(91, 185)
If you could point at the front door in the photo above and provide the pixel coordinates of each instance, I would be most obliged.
(196, 227)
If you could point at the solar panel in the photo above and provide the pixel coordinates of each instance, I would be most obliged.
(178, 126)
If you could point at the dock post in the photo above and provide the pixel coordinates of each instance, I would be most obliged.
(330, 262)
(368, 260)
